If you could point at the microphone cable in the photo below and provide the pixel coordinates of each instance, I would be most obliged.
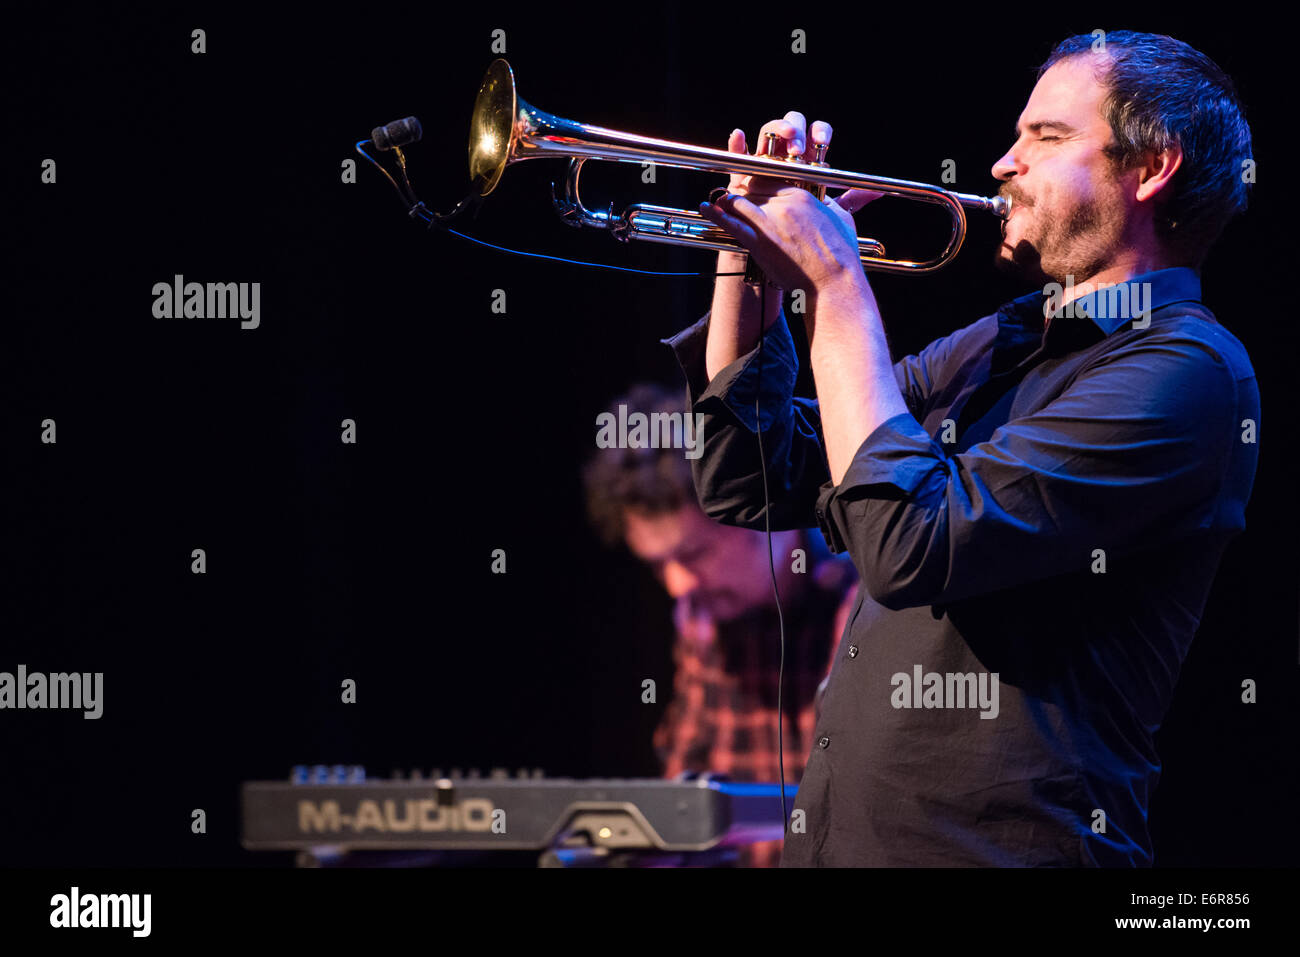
(416, 209)
(771, 562)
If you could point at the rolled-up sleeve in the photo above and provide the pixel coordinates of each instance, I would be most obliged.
(1130, 456)
(729, 474)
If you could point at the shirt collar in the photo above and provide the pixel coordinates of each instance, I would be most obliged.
(1106, 309)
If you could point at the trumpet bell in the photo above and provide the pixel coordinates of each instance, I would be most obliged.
(492, 127)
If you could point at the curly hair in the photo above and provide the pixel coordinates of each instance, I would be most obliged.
(656, 480)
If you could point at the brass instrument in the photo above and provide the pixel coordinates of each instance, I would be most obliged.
(505, 130)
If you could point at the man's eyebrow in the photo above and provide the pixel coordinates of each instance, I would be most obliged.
(1039, 125)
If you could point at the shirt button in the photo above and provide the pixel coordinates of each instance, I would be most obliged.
(853, 651)
(823, 742)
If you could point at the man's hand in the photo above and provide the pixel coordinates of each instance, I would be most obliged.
(797, 241)
(801, 243)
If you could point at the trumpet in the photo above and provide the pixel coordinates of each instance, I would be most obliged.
(505, 130)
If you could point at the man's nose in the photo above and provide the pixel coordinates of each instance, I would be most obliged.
(678, 581)
(1008, 166)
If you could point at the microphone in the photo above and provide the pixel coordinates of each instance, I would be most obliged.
(397, 133)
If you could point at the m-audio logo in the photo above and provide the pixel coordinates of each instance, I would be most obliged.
(396, 817)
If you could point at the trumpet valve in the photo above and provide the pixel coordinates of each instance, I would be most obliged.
(818, 160)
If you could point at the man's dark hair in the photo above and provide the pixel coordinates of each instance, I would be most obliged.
(656, 480)
(1160, 91)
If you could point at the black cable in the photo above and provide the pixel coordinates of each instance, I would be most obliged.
(577, 262)
(409, 201)
(417, 210)
(771, 562)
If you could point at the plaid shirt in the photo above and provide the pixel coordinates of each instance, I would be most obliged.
(722, 718)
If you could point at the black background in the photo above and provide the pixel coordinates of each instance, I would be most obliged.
(372, 561)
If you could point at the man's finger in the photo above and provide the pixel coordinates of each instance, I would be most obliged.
(784, 130)
(739, 230)
(800, 140)
(742, 210)
(820, 133)
(765, 186)
(854, 199)
(736, 144)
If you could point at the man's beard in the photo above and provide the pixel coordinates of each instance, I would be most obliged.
(1079, 248)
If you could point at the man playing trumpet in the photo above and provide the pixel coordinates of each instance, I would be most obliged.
(1036, 504)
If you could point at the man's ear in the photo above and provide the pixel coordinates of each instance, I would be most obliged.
(1156, 174)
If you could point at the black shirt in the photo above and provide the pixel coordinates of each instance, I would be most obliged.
(1036, 539)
